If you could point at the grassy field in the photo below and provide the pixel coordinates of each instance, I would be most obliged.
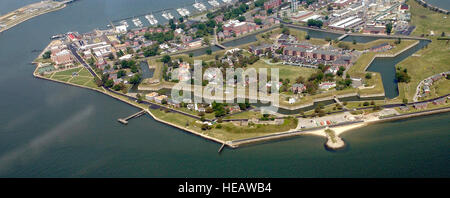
(245, 115)
(286, 71)
(431, 60)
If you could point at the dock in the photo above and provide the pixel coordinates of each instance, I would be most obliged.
(221, 148)
(125, 120)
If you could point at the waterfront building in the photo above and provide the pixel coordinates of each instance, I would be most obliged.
(298, 88)
(327, 85)
(439, 101)
(63, 57)
(260, 49)
(159, 99)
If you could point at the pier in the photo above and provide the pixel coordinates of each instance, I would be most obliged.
(221, 148)
(125, 120)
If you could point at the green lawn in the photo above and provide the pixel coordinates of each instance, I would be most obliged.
(285, 71)
(84, 72)
(69, 71)
(79, 80)
(62, 78)
(431, 60)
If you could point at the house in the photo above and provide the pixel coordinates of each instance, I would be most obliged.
(195, 43)
(151, 96)
(298, 88)
(426, 89)
(439, 101)
(422, 105)
(159, 99)
(260, 49)
(332, 70)
(327, 85)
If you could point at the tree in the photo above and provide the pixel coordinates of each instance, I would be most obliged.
(443, 34)
(307, 37)
(166, 59)
(241, 18)
(139, 97)
(109, 83)
(258, 21)
(46, 55)
(191, 55)
(269, 11)
(354, 42)
(405, 101)
(136, 79)
(389, 28)
(209, 51)
(315, 23)
(368, 76)
(121, 73)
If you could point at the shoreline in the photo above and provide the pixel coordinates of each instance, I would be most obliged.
(29, 17)
(339, 130)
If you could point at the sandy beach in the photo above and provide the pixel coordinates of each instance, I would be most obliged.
(338, 130)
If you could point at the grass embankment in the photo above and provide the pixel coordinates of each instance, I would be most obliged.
(432, 59)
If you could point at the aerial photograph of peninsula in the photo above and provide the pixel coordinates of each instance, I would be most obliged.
(224, 89)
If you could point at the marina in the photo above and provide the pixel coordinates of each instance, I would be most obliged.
(167, 15)
(214, 3)
(151, 19)
(183, 12)
(199, 6)
(137, 22)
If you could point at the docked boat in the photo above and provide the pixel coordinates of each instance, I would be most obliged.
(227, 1)
(57, 36)
(214, 3)
(151, 19)
(167, 15)
(183, 12)
(199, 6)
(137, 22)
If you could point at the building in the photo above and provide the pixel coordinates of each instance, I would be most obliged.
(347, 23)
(151, 96)
(195, 43)
(327, 85)
(160, 99)
(272, 4)
(374, 29)
(422, 105)
(439, 101)
(298, 88)
(62, 58)
(260, 49)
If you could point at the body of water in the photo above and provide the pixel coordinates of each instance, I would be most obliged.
(49, 129)
(445, 4)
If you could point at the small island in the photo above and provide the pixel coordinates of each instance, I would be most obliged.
(324, 84)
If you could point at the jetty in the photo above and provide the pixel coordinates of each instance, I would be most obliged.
(125, 120)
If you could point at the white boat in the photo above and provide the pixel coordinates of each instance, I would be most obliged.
(227, 1)
(151, 19)
(183, 12)
(167, 15)
(214, 3)
(199, 6)
(137, 22)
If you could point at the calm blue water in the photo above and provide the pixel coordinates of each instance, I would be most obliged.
(445, 4)
(54, 130)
